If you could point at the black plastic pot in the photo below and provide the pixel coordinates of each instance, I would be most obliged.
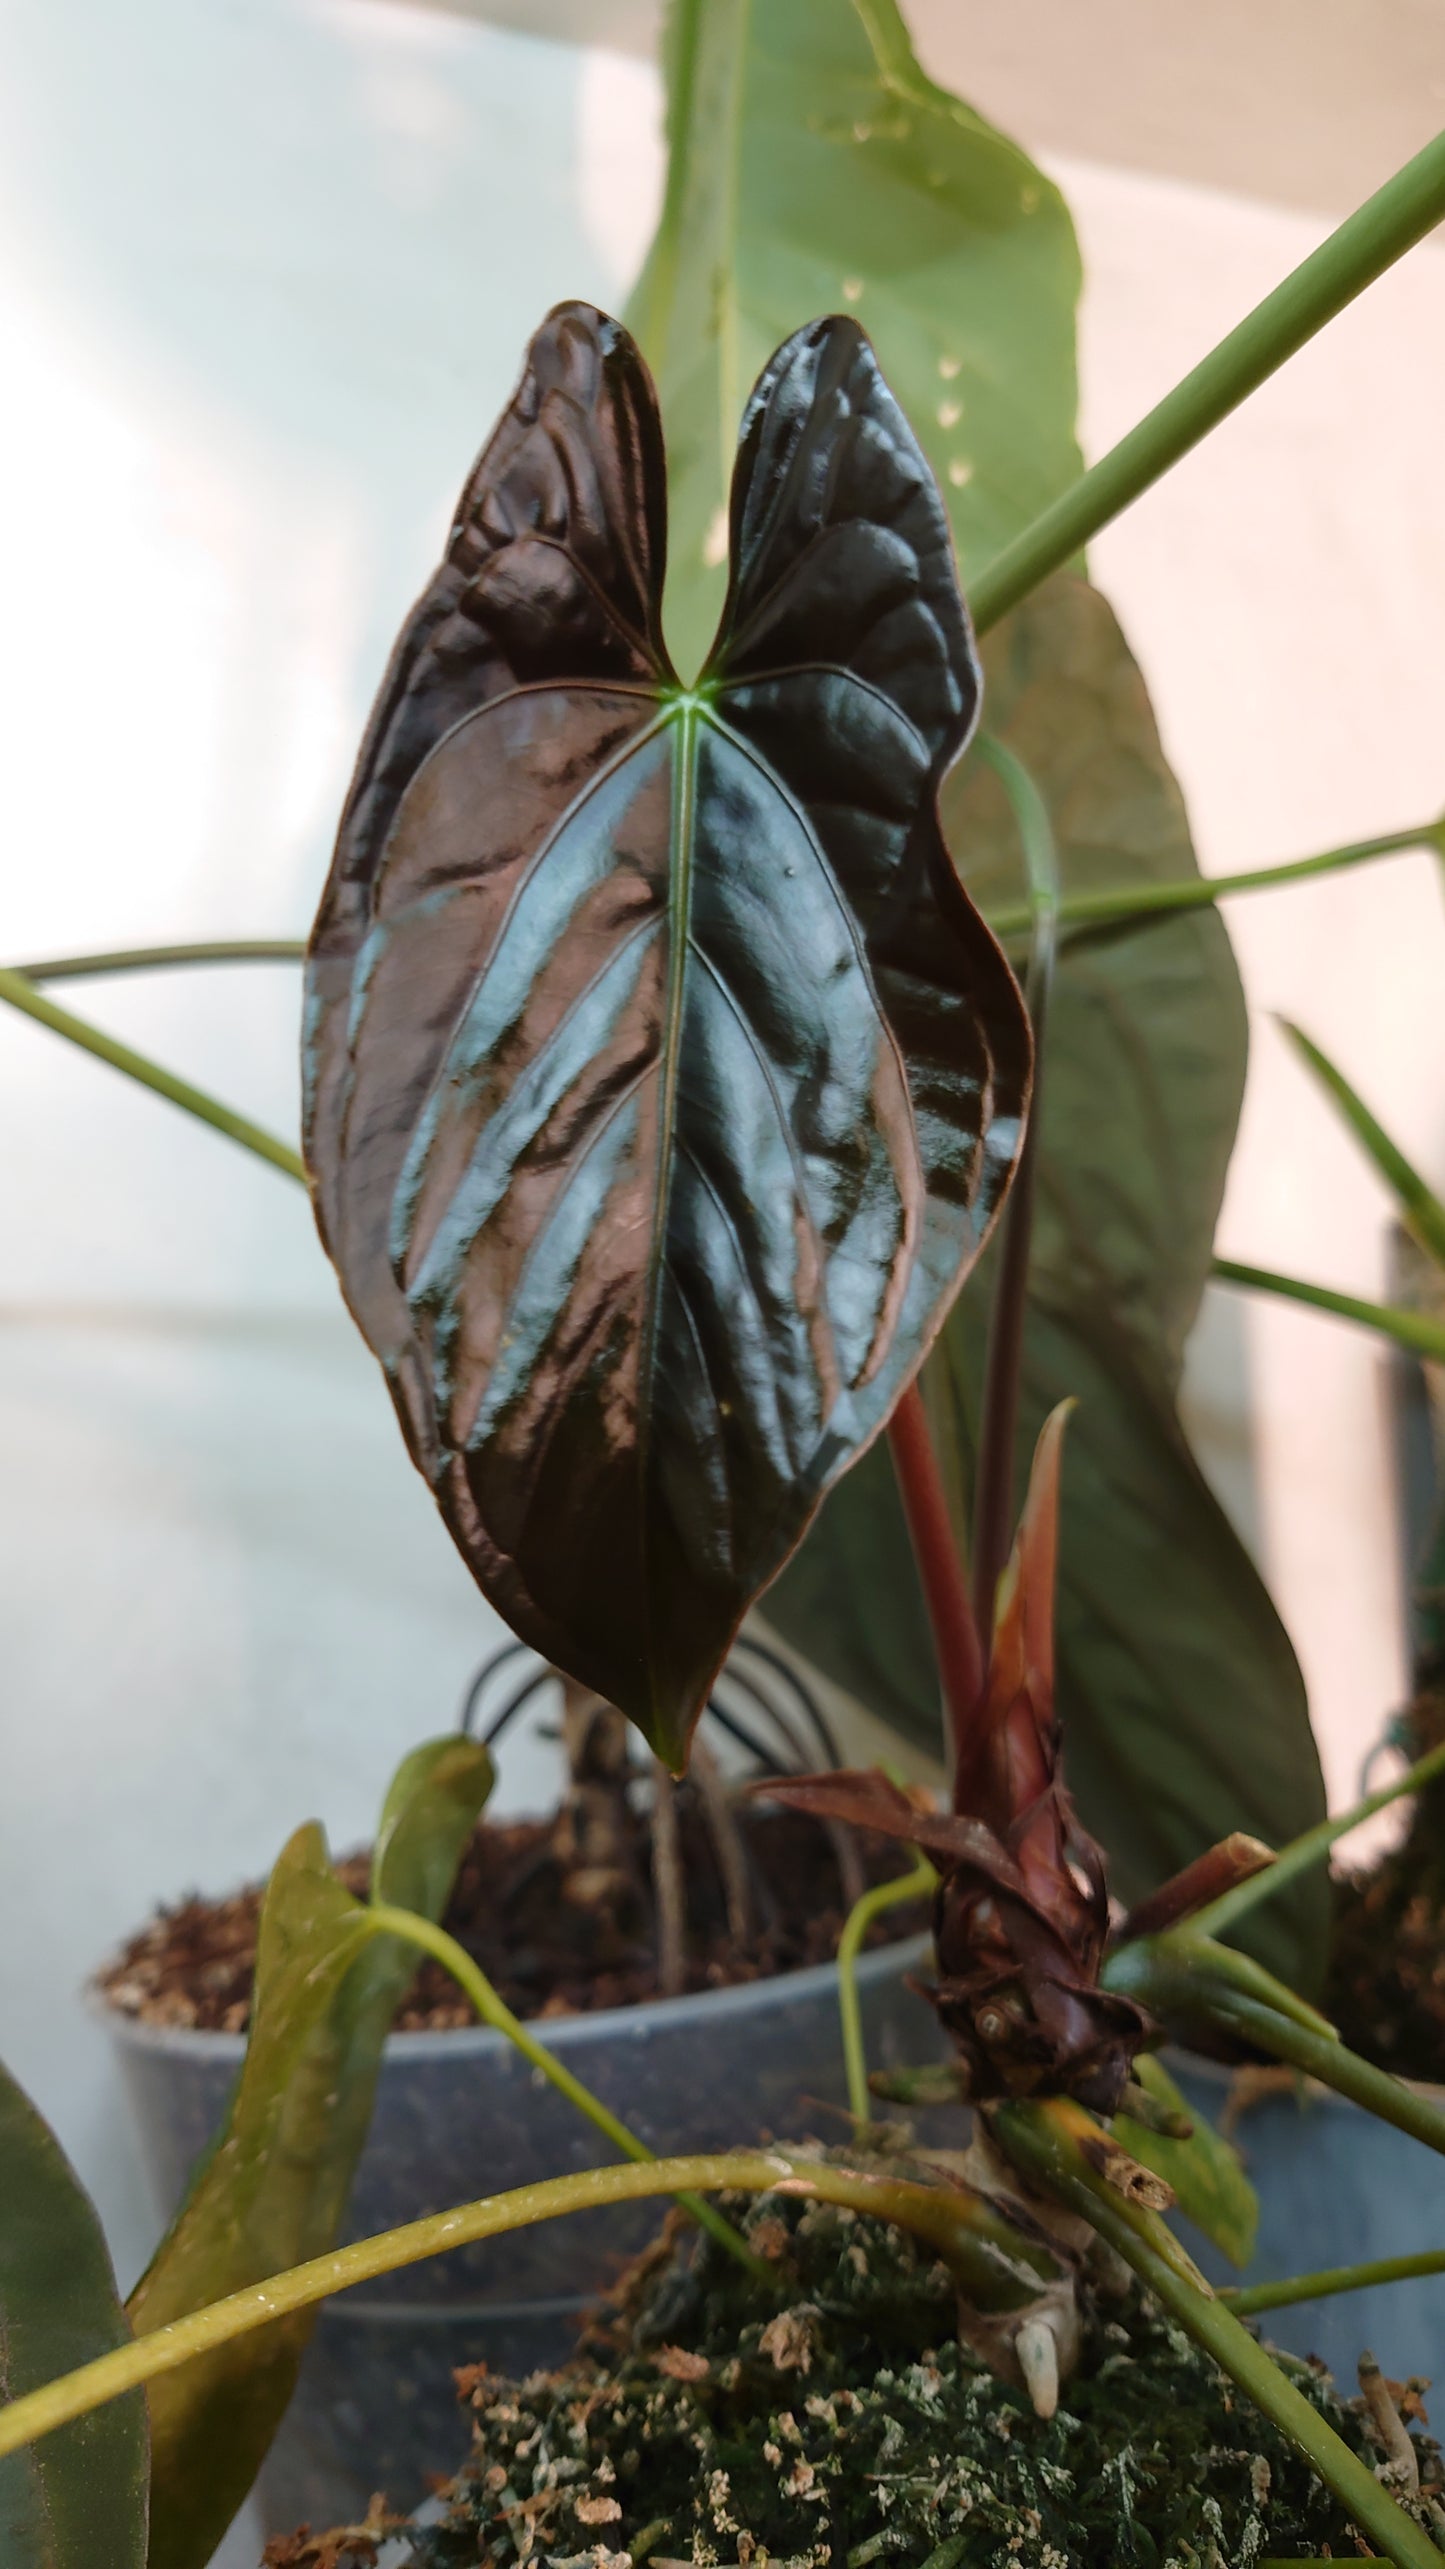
(459, 2115)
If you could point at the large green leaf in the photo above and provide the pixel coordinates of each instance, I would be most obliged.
(1182, 1705)
(273, 2189)
(661, 1078)
(78, 2497)
(813, 168)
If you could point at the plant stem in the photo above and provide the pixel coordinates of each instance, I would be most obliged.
(993, 1512)
(1379, 232)
(992, 2262)
(77, 1030)
(940, 1571)
(1408, 1328)
(1308, 1849)
(913, 1885)
(1180, 1974)
(1420, 1207)
(1039, 2138)
(1247, 2298)
(494, 2011)
(70, 967)
(1331, 2063)
(1123, 903)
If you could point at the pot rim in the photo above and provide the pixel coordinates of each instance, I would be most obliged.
(638, 2023)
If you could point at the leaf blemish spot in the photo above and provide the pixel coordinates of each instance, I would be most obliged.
(949, 413)
(948, 367)
(960, 472)
(852, 289)
(715, 542)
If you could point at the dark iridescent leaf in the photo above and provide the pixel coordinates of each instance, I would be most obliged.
(661, 1081)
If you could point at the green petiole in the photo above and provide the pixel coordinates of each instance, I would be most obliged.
(1247, 2298)
(993, 2263)
(1409, 1329)
(914, 1885)
(494, 2011)
(20, 994)
(1125, 905)
(1381, 230)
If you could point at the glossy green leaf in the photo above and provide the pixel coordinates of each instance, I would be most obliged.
(813, 167)
(78, 2497)
(1420, 1206)
(1206, 2173)
(661, 1079)
(1182, 1705)
(273, 2190)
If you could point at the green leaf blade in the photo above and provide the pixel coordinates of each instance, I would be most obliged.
(79, 2496)
(273, 2190)
(813, 169)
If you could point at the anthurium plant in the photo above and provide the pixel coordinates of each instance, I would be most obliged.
(664, 1083)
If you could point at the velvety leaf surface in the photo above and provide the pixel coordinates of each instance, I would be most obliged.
(661, 1081)
(813, 167)
(273, 2190)
(78, 2497)
(1182, 1705)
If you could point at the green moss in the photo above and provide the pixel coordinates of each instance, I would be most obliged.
(846, 2426)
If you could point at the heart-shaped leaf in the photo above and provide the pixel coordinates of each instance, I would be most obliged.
(661, 1080)
(78, 2497)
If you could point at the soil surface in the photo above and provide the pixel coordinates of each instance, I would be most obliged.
(1386, 1987)
(837, 2421)
(547, 1950)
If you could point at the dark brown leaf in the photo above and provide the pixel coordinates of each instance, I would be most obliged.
(661, 1081)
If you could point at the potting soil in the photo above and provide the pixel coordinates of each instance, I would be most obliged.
(839, 2423)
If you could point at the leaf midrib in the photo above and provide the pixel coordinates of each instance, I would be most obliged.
(685, 724)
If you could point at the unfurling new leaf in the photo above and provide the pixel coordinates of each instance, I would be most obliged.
(661, 1080)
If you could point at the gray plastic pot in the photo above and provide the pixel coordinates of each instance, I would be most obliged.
(460, 2114)
(1336, 2188)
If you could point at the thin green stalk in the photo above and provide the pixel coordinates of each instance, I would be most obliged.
(1309, 1848)
(1331, 2063)
(1125, 902)
(1407, 1328)
(914, 1885)
(993, 1507)
(1179, 1973)
(992, 2262)
(1248, 2298)
(1040, 2141)
(77, 1030)
(69, 967)
(1401, 212)
(494, 2011)
(1420, 1207)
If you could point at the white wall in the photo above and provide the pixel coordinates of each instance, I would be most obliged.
(266, 270)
